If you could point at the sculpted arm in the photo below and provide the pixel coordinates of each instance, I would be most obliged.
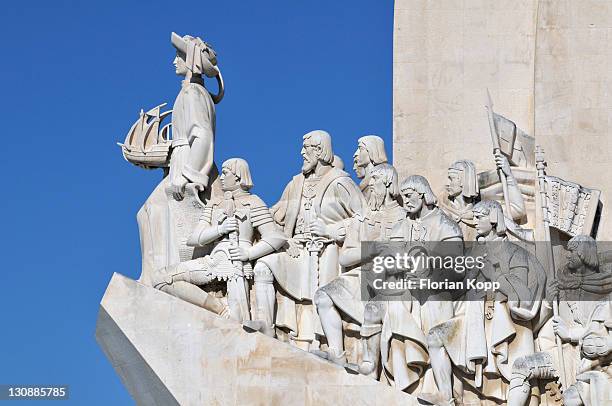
(350, 253)
(205, 232)
(522, 287)
(272, 238)
(515, 198)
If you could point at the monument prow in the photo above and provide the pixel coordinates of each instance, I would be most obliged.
(168, 351)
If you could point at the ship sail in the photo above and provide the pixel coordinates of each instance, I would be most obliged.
(146, 145)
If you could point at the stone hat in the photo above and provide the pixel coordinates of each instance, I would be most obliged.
(199, 56)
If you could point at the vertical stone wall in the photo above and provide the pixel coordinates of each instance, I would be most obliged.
(573, 94)
(446, 53)
(546, 64)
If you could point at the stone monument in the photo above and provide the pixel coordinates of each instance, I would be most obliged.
(346, 293)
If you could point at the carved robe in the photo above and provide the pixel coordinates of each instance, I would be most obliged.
(497, 329)
(334, 198)
(193, 123)
(410, 320)
(346, 290)
(585, 306)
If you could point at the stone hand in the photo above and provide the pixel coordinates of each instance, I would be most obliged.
(502, 162)
(238, 253)
(319, 228)
(229, 225)
(178, 187)
(561, 329)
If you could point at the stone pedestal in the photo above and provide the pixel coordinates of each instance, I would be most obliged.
(168, 351)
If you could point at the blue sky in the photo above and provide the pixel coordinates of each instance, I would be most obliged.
(74, 77)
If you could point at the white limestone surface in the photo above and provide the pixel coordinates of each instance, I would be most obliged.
(168, 351)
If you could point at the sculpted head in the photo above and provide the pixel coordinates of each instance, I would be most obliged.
(317, 147)
(489, 217)
(582, 253)
(462, 179)
(235, 174)
(383, 182)
(416, 192)
(193, 56)
(370, 151)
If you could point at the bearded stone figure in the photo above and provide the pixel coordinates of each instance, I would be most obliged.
(403, 325)
(312, 212)
(583, 288)
(342, 299)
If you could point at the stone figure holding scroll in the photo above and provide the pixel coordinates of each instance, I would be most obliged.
(231, 224)
(312, 211)
(342, 298)
(191, 160)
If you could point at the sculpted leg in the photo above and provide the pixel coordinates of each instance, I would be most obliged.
(180, 282)
(266, 299)
(238, 299)
(332, 326)
(441, 366)
(370, 333)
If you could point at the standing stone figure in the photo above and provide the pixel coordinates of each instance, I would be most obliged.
(312, 211)
(487, 335)
(342, 297)
(462, 193)
(231, 224)
(191, 160)
(370, 152)
(403, 325)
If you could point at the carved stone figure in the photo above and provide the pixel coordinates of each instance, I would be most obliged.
(486, 336)
(342, 297)
(231, 225)
(191, 161)
(312, 212)
(370, 152)
(583, 288)
(401, 326)
(463, 192)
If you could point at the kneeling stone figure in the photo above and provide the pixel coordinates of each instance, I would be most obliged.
(232, 225)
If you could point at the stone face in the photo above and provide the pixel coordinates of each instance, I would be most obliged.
(168, 351)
